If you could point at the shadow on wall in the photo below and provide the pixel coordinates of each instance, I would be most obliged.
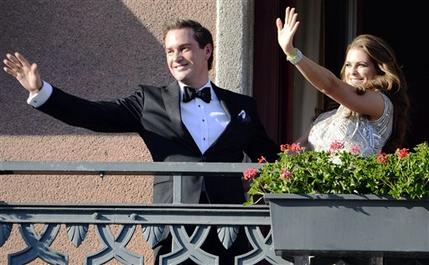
(93, 49)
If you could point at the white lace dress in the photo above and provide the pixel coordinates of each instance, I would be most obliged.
(369, 136)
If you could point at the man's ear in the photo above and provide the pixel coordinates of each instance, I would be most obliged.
(208, 49)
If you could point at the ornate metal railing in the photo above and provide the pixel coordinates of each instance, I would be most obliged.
(154, 220)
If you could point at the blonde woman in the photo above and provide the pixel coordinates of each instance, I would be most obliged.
(372, 93)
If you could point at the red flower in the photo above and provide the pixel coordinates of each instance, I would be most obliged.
(250, 173)
(336, 145)
(262, 160)
(401, 153)
(295, 147)
(381, 158)
(285, 174)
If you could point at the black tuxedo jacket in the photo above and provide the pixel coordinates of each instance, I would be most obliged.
(154, 113)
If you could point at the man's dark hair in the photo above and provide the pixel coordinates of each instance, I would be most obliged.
(201, 34)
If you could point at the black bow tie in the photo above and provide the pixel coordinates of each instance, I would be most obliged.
(189, 94)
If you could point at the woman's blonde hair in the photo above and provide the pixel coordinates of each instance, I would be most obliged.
(390, 80)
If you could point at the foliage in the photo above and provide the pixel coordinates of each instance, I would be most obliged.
(402, 174)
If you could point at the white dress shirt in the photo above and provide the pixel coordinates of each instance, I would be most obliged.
(204, 121)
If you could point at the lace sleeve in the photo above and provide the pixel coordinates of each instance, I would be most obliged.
(384, 124)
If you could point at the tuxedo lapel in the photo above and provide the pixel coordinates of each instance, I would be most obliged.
(231, 109)
(171, 98)
(224, 100)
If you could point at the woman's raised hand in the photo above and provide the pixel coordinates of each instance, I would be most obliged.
(286, 32)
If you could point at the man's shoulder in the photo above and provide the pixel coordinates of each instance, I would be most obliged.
(172, 85)
(157, 93)
(232, 94)
(143, 87)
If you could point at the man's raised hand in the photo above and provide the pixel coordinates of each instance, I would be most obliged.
(27, 74)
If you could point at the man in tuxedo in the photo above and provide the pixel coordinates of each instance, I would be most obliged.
(190, 119)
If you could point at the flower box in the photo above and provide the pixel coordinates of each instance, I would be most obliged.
(339, 224)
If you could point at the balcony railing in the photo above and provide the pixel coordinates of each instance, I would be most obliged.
(154, 219)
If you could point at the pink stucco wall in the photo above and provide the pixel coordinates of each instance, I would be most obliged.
(98, 50)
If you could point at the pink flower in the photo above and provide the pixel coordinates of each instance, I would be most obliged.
(285, 174)
(262, 160)
(381, 158)
(336, 145)
(401, 153)
(250, 173)
(355, 149)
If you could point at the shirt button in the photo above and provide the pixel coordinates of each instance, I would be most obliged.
(204, 138)
(204, 120)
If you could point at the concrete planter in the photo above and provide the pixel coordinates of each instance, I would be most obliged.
(333, 225)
